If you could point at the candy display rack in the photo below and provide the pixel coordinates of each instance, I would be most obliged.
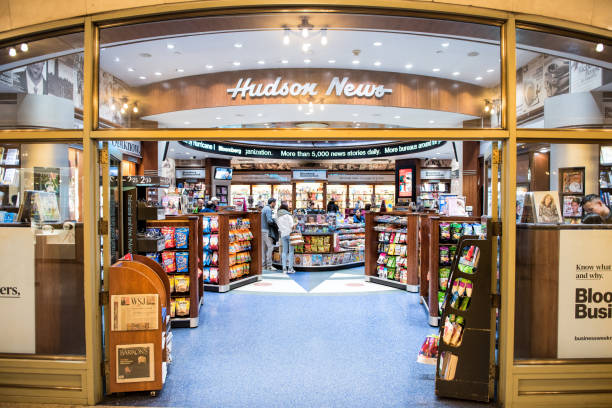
(465, 366)
(231, 250)
(186, 295)
(392, 231)
(432, 244)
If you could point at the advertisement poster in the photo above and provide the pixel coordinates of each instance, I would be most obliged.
(584, 77)
(405, 182)
(135, 363)
(47, 179)
(585, 294)
(541, 78)
(134, 312)
(547, 208)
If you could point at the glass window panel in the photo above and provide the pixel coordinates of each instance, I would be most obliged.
(259, 71)
(562, 82)
(41, 83)
(41, 237)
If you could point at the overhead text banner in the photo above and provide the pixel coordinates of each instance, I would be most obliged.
(365, 152)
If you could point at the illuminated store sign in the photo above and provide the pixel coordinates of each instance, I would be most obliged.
(366, 152)
(336, 86)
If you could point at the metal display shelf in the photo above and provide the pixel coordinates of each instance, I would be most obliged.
(322, 268)
(393, 283)
(212, 287)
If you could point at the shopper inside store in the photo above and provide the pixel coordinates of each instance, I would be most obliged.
(277, 207)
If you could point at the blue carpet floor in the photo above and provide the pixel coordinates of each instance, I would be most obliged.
(300, 351)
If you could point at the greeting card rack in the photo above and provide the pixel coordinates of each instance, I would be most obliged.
(139, 343)
(432, 243)
(185, 304)
(466, 353)
(238, 255)
(381, 228)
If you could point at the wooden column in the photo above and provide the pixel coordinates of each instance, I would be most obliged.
(149, 163)
(471, 151)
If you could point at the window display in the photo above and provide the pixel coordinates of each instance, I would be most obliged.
(309, 192)
(338, 193)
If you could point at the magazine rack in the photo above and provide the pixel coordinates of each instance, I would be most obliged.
(143, 365)
(466, 370)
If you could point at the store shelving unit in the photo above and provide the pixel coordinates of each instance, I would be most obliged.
(189, 319)
(466, 352)
(405, 225)
(222, 193)
(430, 261)
(10, 165)
(310, 191)
(227, 278)
(605, 183)
(431, 188)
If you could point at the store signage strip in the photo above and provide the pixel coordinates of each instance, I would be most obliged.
(367, 152)
(337, 86)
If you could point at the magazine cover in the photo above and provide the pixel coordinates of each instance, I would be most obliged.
(135, 363)
(520, 204)
(547, 208)
(572, 207)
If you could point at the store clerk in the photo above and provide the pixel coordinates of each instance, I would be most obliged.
(592, 204)
(215, 202)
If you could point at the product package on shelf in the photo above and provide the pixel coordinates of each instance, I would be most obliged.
(428, 353)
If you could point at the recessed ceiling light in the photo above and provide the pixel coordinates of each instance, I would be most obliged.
(396, 117)
(490, 70)
(479, 78)
(284, 61)
(307, 61)
(170, 46)
(142, 77)
(259, 115)
(377, 44)
(24, 47)
(131, 69)
(236, 63)
(355, 62)
(305, 47)
(332, 61)
(158, 73)
(261, 62)
(377, 63)
(355, 115)
(432, 121)
(117, 59)
(300, 108)
(456, 73)
(180, 70)
(238, 45)
(187, 122)
(599, 47)
(208, 66)
(12, 52)
(445, 44)
(218, 118)
(408, 66)
(436, 70)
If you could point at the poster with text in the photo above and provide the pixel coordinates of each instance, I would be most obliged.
(405, 182)
(584, 77)
(585, 294)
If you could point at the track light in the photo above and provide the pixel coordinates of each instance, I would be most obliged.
(12, 52)
(24, 47)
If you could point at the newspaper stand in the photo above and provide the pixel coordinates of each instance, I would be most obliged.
(147, 348)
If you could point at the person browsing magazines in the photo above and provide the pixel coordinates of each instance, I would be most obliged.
(285, 223)
(268, 233)
(592, 204)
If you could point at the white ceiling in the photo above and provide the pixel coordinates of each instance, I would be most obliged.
(193, 53)
(355, 115)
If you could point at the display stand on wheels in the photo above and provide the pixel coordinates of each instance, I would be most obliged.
(392, 249)
(231, 249)
(466, 360)
(138, 324)
(443, 234)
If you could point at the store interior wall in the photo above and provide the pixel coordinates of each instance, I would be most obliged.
(575, 155)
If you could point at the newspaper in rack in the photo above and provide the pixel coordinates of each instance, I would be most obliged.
(134, 312)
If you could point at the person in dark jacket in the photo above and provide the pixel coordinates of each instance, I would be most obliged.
(332, 207)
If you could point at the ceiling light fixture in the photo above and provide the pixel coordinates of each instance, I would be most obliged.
(130, 69)
(490, 70)
(142, 77)
(113, 107)
(355, 62)
(304, 30)
(135, 109)
(158, 73)
(237, 45)
(122, 111)
(24, 47)
(261, 62)
(286, 37)
(599, 47)
(187, 122)
(218, 118)
(377, 64)
(432, 122)
(408, 66)
(236, 63)
(284, 61)
(125, 105)
(180, 70)
(307, 61)
(331, 61)
(355, 115)
(478, 78)
(436, 70)
(305, 47)
(12, 52)
(300, 108)
(396, 117)
(445, 44)
(117, 59)
(208, 66)
(170, 46)
(321, 107)
(377, 43)
(259, 115)
(324, 37)
(456, 73)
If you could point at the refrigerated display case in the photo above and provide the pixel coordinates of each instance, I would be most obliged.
(360, 192)
(240, 191)
(261, 193)
(309, 191)
(384, 192)
(283, 192)
(338, 193)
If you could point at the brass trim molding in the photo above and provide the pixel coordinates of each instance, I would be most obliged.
(4, 356)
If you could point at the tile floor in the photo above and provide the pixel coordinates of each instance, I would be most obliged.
(304, 340)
